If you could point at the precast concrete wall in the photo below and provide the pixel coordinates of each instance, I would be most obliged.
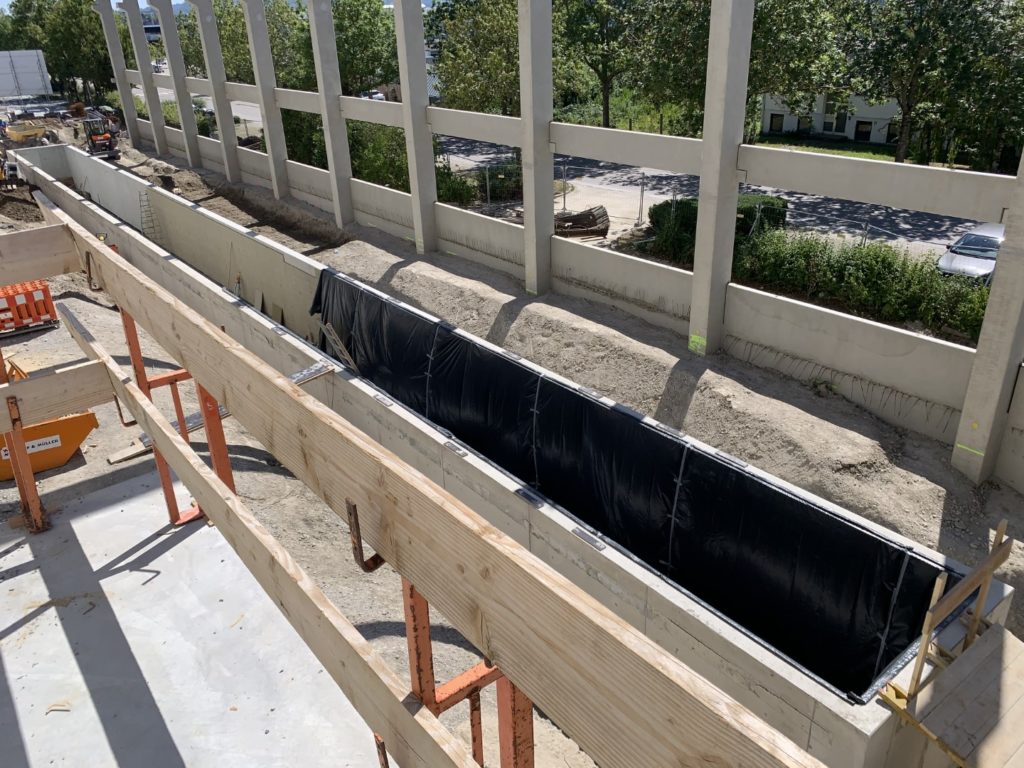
(906, 378)
(843, 735)
(1011, 454)
(656, 292)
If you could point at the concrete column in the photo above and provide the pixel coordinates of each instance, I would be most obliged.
(725, 98)
(210, 39)
(266, 82)
(176, 66)
(124, 88)
(328, 84)
(536, 108)
(145, 64)
(999, 355)
(419, 145)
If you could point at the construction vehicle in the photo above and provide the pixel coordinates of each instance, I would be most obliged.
(99, 139)
(26, 132)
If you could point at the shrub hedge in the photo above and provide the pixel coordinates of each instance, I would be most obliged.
(675, 223)
(874, 280)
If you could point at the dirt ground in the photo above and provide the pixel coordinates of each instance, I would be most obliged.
(816, 440)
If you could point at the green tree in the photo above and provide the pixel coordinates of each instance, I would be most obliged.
(367, 50)
(919, 52)
(671, 58)
(234, 41)
(28, 19)
(8, 40)
(75, 49)
(476, 46)
(478, 68)
(603, 34)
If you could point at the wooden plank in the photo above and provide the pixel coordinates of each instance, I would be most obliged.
(58, 392)
(34, 254)
(959, 719)
(412, 734)
(625, 700)
(987, 710)
(1003, 742)
(953, 677)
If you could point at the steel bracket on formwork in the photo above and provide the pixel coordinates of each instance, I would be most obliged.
(31, 506)
(515, 710)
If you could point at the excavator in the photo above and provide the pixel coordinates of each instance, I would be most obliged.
(99, 141)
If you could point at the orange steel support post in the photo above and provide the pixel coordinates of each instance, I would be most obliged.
(131, 335)
(515, 710)
(215, 441)
(31, 506)
(515, 725)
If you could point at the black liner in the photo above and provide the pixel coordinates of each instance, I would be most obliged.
(828, 595)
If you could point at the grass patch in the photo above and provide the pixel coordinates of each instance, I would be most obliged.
(826, 147)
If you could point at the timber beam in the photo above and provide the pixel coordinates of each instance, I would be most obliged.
(56, 392)
(624, 700)
(34, 254)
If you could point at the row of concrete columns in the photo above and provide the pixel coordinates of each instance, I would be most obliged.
(1000, 349)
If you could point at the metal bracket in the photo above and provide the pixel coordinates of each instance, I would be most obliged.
(88, 274)
(120, 414)
(366, 564)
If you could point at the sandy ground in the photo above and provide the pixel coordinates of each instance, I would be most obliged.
(813, 439)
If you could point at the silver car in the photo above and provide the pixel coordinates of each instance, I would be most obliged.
(974, 253)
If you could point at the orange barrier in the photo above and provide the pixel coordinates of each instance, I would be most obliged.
(26, 305)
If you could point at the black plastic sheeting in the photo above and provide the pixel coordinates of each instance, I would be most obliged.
(831, 597)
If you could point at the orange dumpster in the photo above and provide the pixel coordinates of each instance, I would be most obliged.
(51, 444)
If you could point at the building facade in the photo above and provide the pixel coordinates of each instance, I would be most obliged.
(853, 119)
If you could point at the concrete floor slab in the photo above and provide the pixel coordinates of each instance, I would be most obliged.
(125, 641)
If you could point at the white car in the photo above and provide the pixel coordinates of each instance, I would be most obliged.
(974, 253)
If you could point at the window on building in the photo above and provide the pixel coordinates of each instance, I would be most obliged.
(835, 115)
(892, 133)
(804, 124)
(862, 130)
(775, 123)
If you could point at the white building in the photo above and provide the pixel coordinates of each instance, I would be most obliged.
(855, 119)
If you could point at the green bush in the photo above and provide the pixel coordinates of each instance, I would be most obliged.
(675, 223)
(451, 187)
(874, 280)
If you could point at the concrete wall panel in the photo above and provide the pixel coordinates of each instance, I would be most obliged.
(965, 194)
(494, 243)
(370, 111)
(658, 293)
(475, 125)
(649, 150)
(908, 379)
(1011, 455)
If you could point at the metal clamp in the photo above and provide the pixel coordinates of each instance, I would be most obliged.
(366, 564)
(88, 274)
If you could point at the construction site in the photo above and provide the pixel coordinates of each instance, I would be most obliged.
(302, 470)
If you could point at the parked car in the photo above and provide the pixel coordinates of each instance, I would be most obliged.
(974, 253)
